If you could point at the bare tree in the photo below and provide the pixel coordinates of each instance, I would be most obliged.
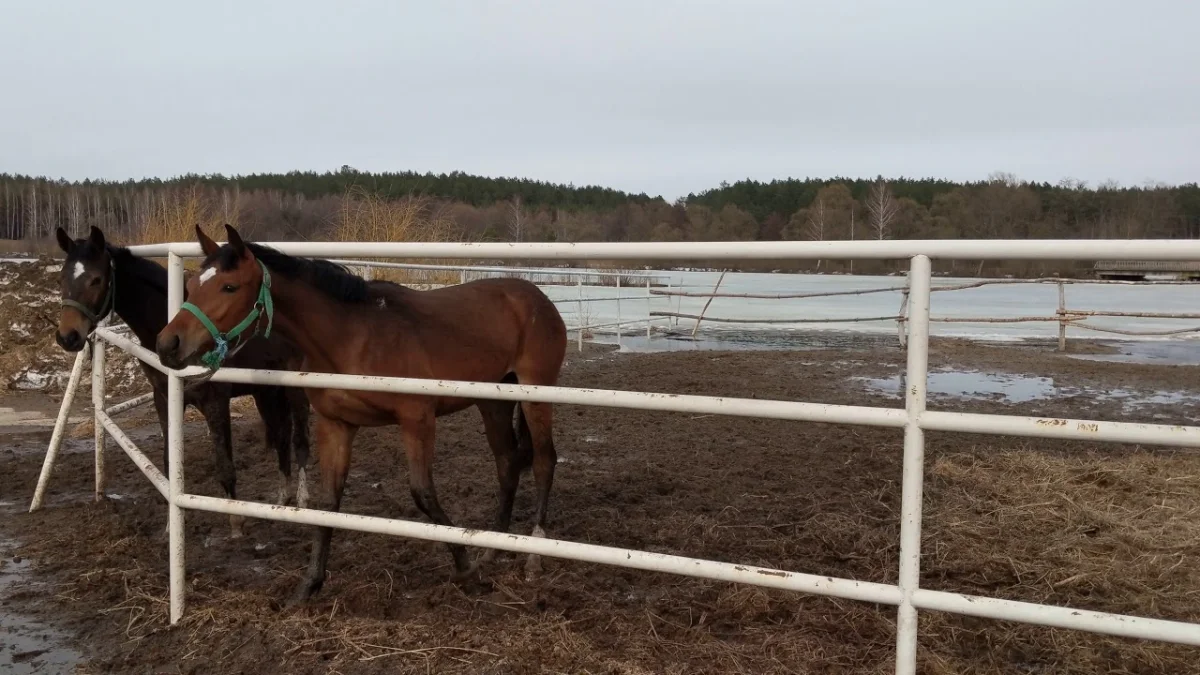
(516, 219)
(30, 230)
(815, 228)
(74, 211)
(882, 207)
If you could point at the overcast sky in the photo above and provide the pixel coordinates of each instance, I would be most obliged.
(646, 95)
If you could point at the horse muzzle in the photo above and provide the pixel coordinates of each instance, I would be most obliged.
(71, 340)
(170, 352)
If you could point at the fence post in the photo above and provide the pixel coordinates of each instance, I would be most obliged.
(709, 302)
(649, 308)
(98, 358)
(618, 311)
(579, 284)
(1062, 317)
(901, 320)
(678, 302)
(56, 438)
(912, 482)
(175, 520)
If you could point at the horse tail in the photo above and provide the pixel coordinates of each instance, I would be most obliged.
(524, 453)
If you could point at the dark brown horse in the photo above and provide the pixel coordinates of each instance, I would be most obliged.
(492, 330)
(98, 278)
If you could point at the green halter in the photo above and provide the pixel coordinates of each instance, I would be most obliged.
(217, 355)
(105, 307)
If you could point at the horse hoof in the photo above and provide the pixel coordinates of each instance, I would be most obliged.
(488, 556)
(303, 593)
(533, 567)
(467, 575)
(237, 527)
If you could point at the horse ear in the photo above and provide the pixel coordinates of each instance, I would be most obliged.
(64, 240)
(235, 240)
(207, 245)
(97, 237)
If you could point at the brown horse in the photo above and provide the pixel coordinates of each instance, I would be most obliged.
(491, 330)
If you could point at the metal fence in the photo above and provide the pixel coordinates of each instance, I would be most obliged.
(914, 420)
(1063, 315)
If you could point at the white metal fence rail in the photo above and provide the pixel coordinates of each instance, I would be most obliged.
(914, 419)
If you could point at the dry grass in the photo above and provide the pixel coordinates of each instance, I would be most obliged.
(1107, 532)
(367, 217)
(1112, 532)
(176, 214)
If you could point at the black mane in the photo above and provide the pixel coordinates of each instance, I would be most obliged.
(331, 279)
(146, 270)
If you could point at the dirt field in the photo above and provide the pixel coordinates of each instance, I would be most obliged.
(1101, 527)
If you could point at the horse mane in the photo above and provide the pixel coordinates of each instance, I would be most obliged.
(144, 269)
(330, 279)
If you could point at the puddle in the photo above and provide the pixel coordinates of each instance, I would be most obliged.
(1134, 400)
(1016, 388)
(976, 385)
(11, 417)
(748, 341)
(28, 646)
(1163, 353)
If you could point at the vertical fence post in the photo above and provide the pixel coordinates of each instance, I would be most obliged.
(649, 308)
(678, 302)
(717, 286)
(579, 311)
(901, 319)
(618, 311)
(912, 483)
(56, 438)
(98, 358)
(1062, 317)
(175, 450)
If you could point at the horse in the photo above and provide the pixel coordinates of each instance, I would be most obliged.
(98, 278)
(489, 330)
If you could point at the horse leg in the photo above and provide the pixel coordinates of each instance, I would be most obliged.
(537, 426)
(497, 424)
(334, 439)
(298, 407)
(215, 408)
(160, 407)
(277, 421)
(418, 434)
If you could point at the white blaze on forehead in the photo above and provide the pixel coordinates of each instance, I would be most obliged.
(78, 269)
(207, 274)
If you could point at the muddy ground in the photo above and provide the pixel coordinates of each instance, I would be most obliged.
(1093, 526)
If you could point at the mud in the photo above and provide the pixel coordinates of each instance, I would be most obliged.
(1093, 526)
(27, 645)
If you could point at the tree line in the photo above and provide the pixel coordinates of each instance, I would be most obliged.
(311, 205)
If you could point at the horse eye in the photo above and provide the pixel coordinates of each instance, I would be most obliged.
(94, 282)
(228, 288)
